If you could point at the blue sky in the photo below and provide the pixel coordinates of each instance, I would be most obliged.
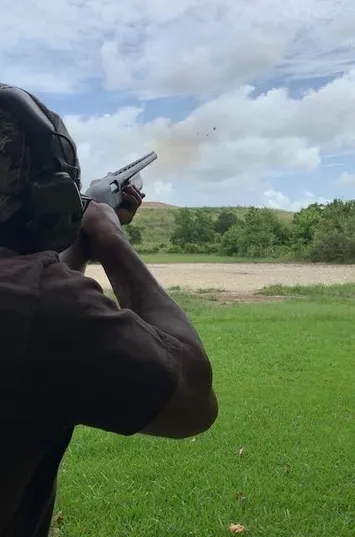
(244, 104)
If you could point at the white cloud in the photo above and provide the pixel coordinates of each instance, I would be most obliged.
(213, 51)
(347, 179)
(155, 47)
(278, 200)
(232, 138)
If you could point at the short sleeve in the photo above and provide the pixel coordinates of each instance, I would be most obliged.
(94, 364)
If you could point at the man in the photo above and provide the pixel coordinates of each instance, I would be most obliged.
(70, 356)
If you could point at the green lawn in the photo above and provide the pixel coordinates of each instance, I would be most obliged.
(285, 378)
(345, 290)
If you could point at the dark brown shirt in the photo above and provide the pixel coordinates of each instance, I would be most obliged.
(68, 356)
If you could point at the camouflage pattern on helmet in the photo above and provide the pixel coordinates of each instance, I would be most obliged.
(59, 127)
(15, 165)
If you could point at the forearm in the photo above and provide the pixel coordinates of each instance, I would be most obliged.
(77, 256)
(136, 288)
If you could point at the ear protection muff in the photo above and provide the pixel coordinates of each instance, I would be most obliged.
(51, 198)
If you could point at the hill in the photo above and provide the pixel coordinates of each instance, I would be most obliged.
(157, 205)
(156, 221)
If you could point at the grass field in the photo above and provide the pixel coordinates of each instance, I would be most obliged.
(161, 258)
(285, 378)
(345, 290)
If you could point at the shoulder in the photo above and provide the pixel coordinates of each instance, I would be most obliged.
(116, 372)
(57, 275)
(69, 293)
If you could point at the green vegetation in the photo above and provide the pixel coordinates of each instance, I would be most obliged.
(202, 258)
(346, 290)
(319, 233)
(285, 381)
(134, 234)
(156, 225)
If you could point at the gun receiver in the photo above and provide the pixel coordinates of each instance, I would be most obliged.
(109, 188)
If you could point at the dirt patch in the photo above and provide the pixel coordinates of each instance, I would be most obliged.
(238, 279)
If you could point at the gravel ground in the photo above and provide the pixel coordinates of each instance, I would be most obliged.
(238, 278)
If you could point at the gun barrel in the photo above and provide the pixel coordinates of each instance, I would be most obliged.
(127, 172)
(109, 188)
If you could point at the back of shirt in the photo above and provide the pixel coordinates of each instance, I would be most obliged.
(26, 436)
(68, 356)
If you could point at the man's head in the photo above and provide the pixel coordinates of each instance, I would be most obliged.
(40, 204)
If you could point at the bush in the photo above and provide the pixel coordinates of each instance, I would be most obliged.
(191, 248)
(226, 219)
(212, 248)
(334, 239)
(192, 226)
(319, 233)
(148, 250)
(261, 234)
(333, 247)
(174, 249)
(134, 234)
(229, 244)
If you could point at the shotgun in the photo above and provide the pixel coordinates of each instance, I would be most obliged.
(109, 188)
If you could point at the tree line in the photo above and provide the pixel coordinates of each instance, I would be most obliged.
(317, 233)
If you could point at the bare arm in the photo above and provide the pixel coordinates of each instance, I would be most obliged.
(76, 257)
(193, 408)
(136, 288)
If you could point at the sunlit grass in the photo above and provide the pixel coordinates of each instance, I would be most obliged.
(285, 378)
